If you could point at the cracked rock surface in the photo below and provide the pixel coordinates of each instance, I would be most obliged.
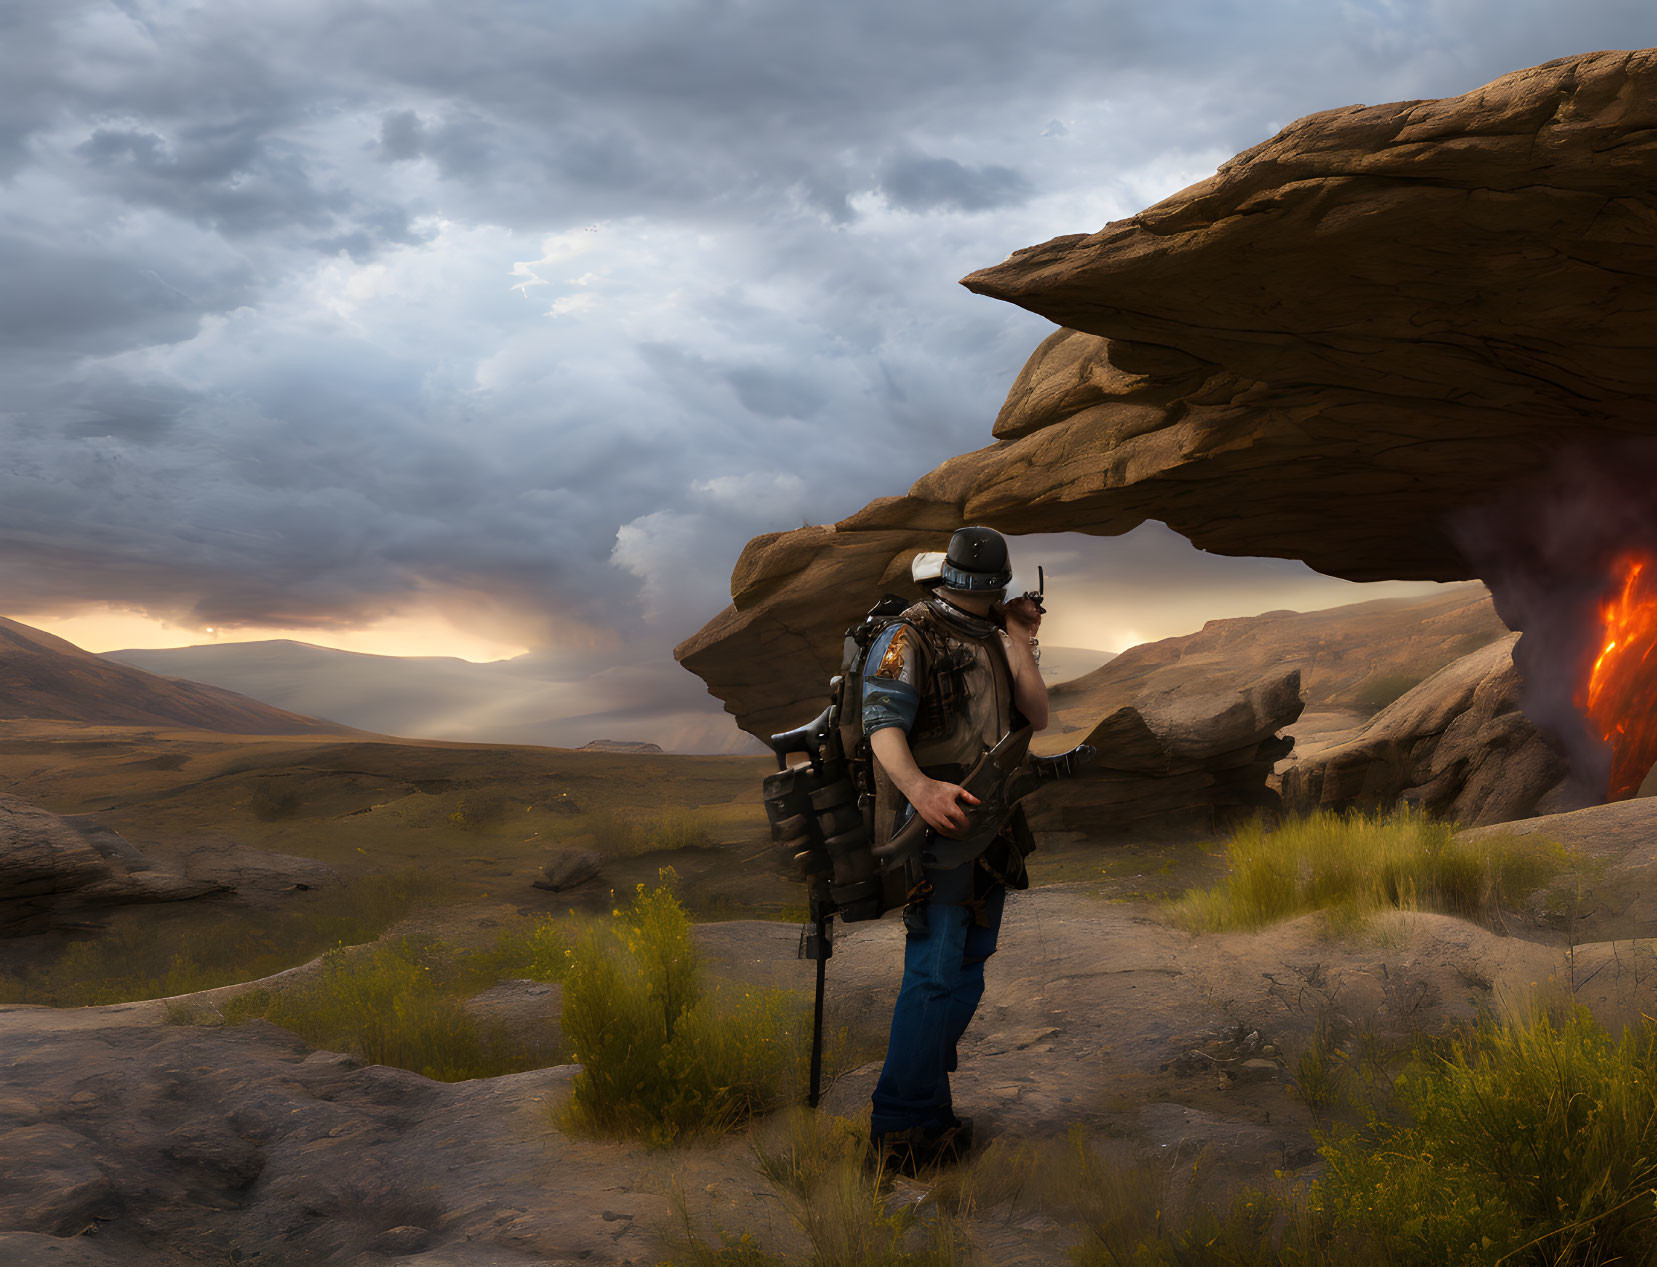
(155, 1143)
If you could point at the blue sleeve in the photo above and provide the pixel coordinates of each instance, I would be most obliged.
(888, 704)
(889, 696)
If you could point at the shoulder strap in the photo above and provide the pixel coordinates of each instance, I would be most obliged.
(919, 618)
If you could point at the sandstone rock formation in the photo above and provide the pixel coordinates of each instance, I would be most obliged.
(51, 874)
(1229, 685)
(239, 1144)
(1457, 745)
(1177, 752)
(1352, 660)
(1380, 316)
(620, 745)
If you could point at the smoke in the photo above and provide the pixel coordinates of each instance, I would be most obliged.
(1549, 550)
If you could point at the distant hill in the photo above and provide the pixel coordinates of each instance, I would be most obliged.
(1065, 664)
(532, 699)
(528, 700)
(45, 677)
(391, 695)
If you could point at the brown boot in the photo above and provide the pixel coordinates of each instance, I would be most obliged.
(907, 1152)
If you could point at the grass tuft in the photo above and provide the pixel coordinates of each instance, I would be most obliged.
(136, 958)
(618, 834)
(679, 828)
(1352, 865)
(842, 1213)
(399, 1003)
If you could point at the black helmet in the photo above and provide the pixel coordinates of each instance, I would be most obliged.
(976, 560)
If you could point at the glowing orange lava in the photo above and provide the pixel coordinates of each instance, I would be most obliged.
(1621, 695)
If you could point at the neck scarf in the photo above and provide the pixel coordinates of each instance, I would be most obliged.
(960, 620)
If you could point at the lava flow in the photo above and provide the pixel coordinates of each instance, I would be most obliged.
(1621, 695)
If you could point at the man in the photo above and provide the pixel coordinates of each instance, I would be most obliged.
(952, 676)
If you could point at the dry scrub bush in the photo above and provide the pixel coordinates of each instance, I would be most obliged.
(1533, 1142)
(680, 828)
(615, 833)
(664, 1057)
(534, 950)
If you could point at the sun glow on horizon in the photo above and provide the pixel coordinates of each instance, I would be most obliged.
(112, 629)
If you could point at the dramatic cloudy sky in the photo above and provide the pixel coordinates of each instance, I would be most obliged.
(427, 327)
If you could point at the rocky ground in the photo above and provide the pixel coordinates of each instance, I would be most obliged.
(128, 1140)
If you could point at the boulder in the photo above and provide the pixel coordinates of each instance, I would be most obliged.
(258, 877)
(50, 873)
(525, 1014)
(1352, 660)
(571, 870)
(1457, 745)
(1179, 751)
(1352, 331)
(1614, 896)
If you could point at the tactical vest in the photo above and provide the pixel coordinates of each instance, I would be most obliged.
(827, 815)
(966, 704)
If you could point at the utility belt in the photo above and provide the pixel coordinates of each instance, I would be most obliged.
(969, 885)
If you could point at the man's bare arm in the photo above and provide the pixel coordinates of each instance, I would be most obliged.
(939, 803)
(1029, 691)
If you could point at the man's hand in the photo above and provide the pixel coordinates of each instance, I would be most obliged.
(1022, 617)
(943, 806)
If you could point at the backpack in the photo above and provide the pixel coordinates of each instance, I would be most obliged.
(822, 813)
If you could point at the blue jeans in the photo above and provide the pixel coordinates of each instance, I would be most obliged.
(943, 979)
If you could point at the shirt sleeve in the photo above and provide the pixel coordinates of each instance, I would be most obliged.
(891, 694)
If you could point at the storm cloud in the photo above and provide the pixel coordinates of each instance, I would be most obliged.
(316, 310)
